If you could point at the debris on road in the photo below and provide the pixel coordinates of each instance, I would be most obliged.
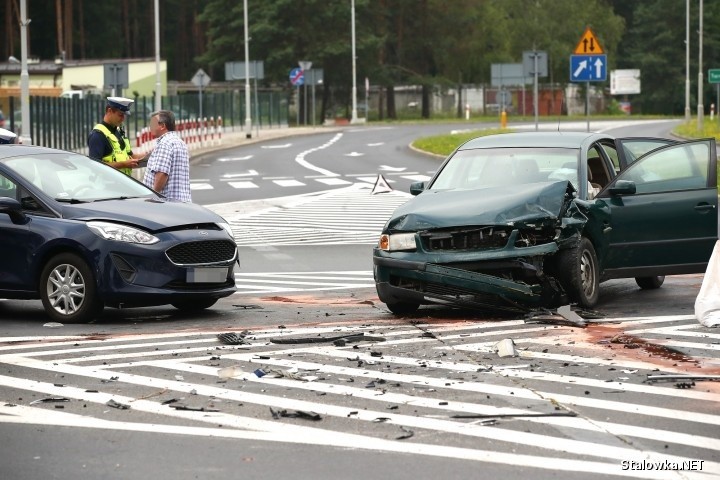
(514, 415)
(506, 348)
(232, 338)
(407, 433)
(49, 400)
(150, 395)
(277, 414)
(120, 406)
(682, 378)
(53, 325)
(561, 316)
(182, 406)
(349, 338)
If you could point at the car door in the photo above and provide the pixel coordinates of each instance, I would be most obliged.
(14, 241)
(669, 224)
(630, 149)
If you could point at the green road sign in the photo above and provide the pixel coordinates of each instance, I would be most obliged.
(714, 75)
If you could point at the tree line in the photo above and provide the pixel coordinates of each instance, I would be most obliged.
(431, 43)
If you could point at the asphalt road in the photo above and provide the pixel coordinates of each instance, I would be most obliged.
(422, 396)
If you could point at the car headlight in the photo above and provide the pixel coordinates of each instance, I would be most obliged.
(227, 228)
(121, 233)
(397, 242)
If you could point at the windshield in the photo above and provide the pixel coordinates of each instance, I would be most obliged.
(497, 167)
(69, 176)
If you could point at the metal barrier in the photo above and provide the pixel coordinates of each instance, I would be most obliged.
(65, 123)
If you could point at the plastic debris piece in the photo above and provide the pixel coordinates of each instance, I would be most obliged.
(351, 337)
(259, 372)
(120, 406)
(506, 348)
(571, 316)
(230, 372)
(49, 400)
(232, 338)
(682, 378)
(182, 406)
(179, 378)
(407, 433)
(513, 415)
(276, 414)
(53, 325)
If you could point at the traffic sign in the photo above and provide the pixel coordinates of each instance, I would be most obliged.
(714, 75)
(588, 44)
(200, 79)
(588, 68)
(297, 76)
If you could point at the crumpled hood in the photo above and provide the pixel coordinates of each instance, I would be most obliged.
(149, 213)
(525, 203)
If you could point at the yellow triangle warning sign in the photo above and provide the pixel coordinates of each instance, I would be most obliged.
(588, 44)
(381, 186)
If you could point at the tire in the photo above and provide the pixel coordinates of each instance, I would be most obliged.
(577, 271)
(195, 305)
(68, 291)
(650, 283)
(403, 308)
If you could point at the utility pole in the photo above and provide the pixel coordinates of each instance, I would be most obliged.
(700, 74)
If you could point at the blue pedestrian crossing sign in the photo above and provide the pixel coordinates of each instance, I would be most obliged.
(588, 68)
(297, 76)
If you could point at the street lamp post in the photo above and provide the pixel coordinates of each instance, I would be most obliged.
(687, 60)
(248, 120)
(158, 94)
(354, 117)
(24, 77)
(700, 112)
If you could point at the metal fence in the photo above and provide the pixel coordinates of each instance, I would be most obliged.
(65, 123)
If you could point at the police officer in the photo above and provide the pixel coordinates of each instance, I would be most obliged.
(107, 141)
(7, 137)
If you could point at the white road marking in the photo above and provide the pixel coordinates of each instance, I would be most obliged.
(230, 176)
(387, 168)
(287, 145)
(354, 154)
(416, 178)
(234, 159)
(333, 181)
(242, 185)
(300, 159)
(288, 183)
(200, 186)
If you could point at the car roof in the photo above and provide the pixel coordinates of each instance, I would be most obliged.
(534, 139)
(17, 149)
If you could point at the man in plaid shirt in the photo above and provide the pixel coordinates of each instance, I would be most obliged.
(168, 168)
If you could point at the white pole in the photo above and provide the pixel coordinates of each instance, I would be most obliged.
(700, 74)
(687, 60)
(248, 120)
(24, 77)
(158, 84)
(354, 117)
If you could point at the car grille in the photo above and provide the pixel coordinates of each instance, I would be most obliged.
(464, 239)
(202, 253)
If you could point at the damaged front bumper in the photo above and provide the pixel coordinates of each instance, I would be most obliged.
(404, 278)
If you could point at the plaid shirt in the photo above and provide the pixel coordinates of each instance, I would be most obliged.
(170, 156)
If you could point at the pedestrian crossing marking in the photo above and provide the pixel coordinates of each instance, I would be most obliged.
(332, 181)
(437, 388)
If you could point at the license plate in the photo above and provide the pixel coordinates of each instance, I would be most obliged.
(206, 275)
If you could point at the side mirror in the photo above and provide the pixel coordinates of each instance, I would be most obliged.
(417, 188)
(13, 208)
(623, 187)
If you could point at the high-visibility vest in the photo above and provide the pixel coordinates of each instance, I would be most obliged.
(117, 154)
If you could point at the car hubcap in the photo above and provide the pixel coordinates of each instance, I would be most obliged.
(66, 289)
(587, 274)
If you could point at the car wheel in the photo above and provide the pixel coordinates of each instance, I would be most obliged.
(67, 290)
(578, 273)
(650, 283)
(195, 305)
(403, 308)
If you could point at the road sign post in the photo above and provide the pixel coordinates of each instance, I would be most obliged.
(714, 77)
(200, 80)
(588, 63)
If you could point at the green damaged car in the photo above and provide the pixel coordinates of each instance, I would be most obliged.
(527, 220)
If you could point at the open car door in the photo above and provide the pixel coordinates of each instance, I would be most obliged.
(663, 212)
(631, 148)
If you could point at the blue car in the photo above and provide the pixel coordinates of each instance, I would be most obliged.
(80, 236)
